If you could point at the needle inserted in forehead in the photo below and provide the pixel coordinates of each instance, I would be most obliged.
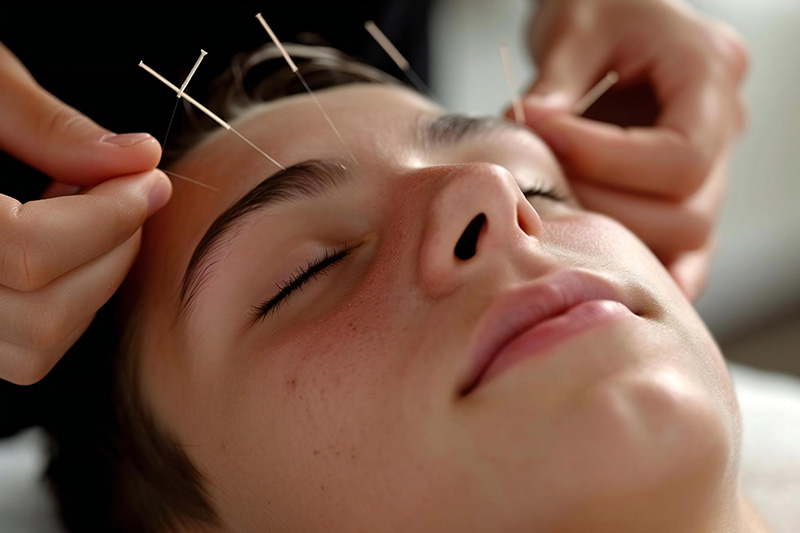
(205, 110)
(516, 101)
(203, 53)
(190, 180)
(296, 71)
(595, 92)
(392, 51)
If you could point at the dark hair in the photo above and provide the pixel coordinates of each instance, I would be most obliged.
(263, 76)
(120, 470)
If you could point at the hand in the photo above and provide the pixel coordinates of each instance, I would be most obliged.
(663, 173)
(63, 258)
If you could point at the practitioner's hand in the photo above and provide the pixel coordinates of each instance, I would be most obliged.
(663, 173)
(62, 258)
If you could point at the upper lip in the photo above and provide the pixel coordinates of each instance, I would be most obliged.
(521, 308)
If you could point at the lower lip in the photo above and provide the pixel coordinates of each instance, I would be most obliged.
(537, 339)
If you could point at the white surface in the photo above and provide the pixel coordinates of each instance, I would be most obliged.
(25, 503)
(756, 273)
(770, 405)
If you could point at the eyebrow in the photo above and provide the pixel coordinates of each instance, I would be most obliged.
(308, 180)
(302, 181)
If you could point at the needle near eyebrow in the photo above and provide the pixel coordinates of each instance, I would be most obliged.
(190, 180)
(208, 112)
(296, 71)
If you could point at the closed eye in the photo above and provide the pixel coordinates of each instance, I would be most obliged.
(315, 268)
(546, 192)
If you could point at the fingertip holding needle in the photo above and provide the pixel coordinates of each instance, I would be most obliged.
(208, 112)
(516, 100)
(595, 93)
(190, 180)
(579, 108)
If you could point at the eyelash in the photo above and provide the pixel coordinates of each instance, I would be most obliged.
(318, 266)
(323, 264)
(541, 190)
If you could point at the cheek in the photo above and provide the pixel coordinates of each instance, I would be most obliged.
(598, 242)
(590, 234)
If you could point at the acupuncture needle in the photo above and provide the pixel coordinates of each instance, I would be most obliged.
(209, 113)
(297, 73)
(398, 58)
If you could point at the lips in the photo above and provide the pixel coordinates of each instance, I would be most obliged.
(522, 309)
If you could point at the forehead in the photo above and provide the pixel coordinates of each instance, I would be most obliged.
(295, 128)
(374, 119)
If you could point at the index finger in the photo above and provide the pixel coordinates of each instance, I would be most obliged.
(43, 239)
(45, 133)
(670, 160)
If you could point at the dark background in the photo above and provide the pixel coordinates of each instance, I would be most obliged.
(89, 56)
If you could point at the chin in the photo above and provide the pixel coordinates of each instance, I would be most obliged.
(649, 443)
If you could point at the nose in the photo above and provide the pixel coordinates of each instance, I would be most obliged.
(476, 216)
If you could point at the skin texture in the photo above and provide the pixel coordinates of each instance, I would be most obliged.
(341, 412)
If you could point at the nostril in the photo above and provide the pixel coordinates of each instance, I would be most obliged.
(468, 242)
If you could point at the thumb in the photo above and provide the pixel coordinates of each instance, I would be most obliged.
(47, 134)
(568, 68)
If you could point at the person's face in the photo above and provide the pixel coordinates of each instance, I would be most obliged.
(349, 405)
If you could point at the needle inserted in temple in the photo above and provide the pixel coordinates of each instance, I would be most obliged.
(392, 51)
(203, 53)
(595, 92)
(516, 101)
(296, 71)
(205, 110)
(190, 180)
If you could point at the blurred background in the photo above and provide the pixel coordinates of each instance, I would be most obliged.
(752, 300)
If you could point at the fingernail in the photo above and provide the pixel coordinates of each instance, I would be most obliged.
(160, 192)
(543, 100)
(125, 140)
(538, 113)
(548, 101)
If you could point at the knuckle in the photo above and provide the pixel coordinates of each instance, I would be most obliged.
(23, 263)
(734, 49)
(729, 55)
(61, 123)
